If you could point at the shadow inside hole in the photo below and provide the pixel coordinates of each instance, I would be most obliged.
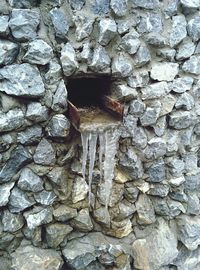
(88, 91)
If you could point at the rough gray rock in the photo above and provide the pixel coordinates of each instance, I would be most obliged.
(164, 71)
(150, 22)
(4, 29)
(119, 7)
(162, 242)
(37, 112)
(155, 39)
(145, 210)
(140, 78)
(83, 221)
(136, 108)
(60, 22)
(44, 259)
(178, 32)
(108, 29)
(124, 93)
(191, 3)
(8, 52)
(176, 167)
(155, 90)
(19, 201)
(185, 102)
(77, 4)
(58, 126)
(182, 84)
(182, 119)
(29, 136)
(156, 171)
(193, 28)
(11, 120)
(59, 103)
(18, 159)
(30, 181)
(192, 65)
(147, 4)
(55, 234)
(100, 7)
(192, 181)
(130, 43)
(44, 153)
(185, 49)
(12, 222)
(121, 66)
(45, 197)
(150, 115)
(21, 80)
(80, 190)
(101, 60)
(188, 231)
(5, 190)
(54, 73)
(84, 27)
(22, 3)
(142, 56)
(156, 148)
(24, 24)
(39, 53)
(193, 204)
(167, 54)
(64, 213)
(38, 216)
(131, 164)
(158, 190)
(68, 59)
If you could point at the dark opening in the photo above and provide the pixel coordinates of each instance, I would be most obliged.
(88, 91)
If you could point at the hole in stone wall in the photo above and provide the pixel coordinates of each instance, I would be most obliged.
(88, 91)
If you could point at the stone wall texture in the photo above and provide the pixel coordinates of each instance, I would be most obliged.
(151, 49)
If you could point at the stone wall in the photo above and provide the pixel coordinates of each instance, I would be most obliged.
(151, 49)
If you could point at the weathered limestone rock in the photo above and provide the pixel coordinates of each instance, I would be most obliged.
(151, 4)
(29, 181)
(166, 53)
(162, 242)
(4, 29)
(124, 93)
(158, 190)
(192, 181)
(21, 80)
(121, 66)
(60, 22)
(31, 135)
(191, 3)
(77, 4)
(145, 210)
(150, 22)
(19, 201)
(130, 43)
(31, 258)
(164, 71)
(167, 104)
(68, 59)
(37, 112)
(132, 165)
(178, 32)
(192, 65)
(83, 221)
(100, 7)
(137, 107)
(84, 27)
(193, 28)
(185, 102)
(39, 52)
(64, 213)
(54, 73)
(59, 103)
(80, 190)
(18, 159)
(45, 197)
(108, 29)
(185, 49)
(11, 120)
(156, 171)
(24, 24)
(22, 3)
(101, 60)
(5, 193)
(182, 119)
(156, 148)
(44, 153)
(188, 231)
(12, 222)
(38, 216)
(8, 52)
(180, 85)
(155, 90)
(55, 233)
(150, 115)
(142, 56)
(119, 7)
(58, 126)
(155, 39)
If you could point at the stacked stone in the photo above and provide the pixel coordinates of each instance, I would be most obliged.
(151, 49)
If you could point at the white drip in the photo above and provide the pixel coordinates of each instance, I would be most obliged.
(92, 154)
(108, 140)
